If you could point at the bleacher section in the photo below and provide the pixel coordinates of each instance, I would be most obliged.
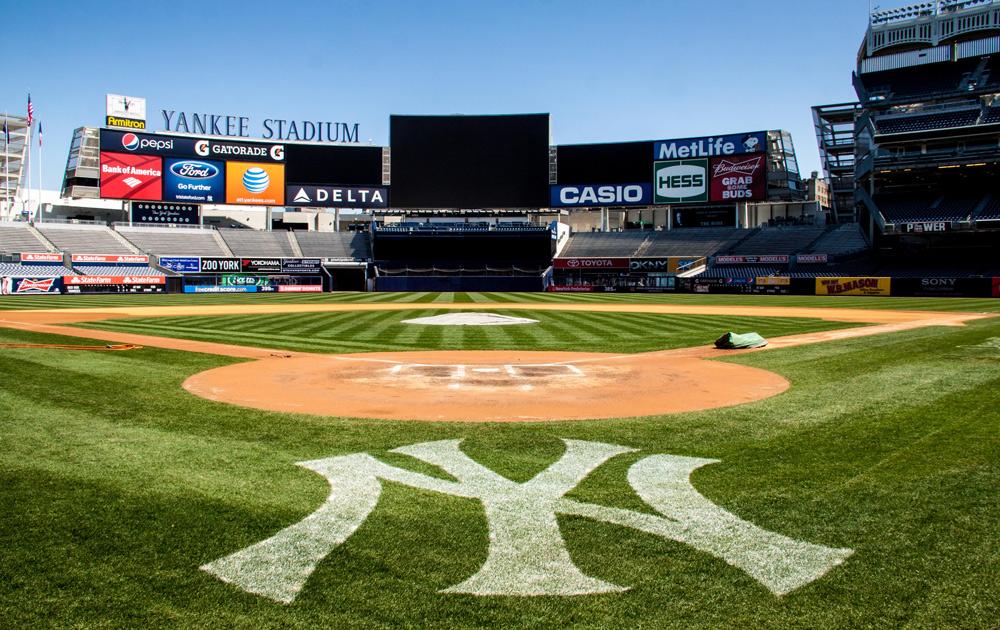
(917, 208)
(596, 244)
(843, 240)
(991, 212)
(355, 245)
(779, 240)
(34, 271)
(926, 122)
(18, 237)
(254, 243)
(117, 270)
(911, 84)
(174, 241)
(693, 241)
(743, 271)
(83, 239)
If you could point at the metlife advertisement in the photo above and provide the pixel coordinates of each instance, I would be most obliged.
(711, 146)
(194, 181)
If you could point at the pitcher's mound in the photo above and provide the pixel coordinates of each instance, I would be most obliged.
(470, 319)
(487, 386)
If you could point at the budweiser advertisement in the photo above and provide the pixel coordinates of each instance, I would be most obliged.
(29, 286)
(41, 257)
(110, 259)
(591, 264)
(125, 176)
(740, 178)
(83, 281)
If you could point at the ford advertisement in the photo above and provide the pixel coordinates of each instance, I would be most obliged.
(194, 181)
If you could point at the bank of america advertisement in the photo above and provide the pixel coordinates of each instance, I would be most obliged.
(125, 176)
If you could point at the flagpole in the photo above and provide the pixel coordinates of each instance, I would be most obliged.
(38, 208)
(27, 199)
(6, 167)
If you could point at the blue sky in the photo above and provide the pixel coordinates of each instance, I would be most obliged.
(606, 71)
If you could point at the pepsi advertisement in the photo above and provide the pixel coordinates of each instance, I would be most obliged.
(200, 181)
(145, 143)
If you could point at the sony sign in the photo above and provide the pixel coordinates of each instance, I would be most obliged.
(597, 195)
(271, 128)
(710, 146)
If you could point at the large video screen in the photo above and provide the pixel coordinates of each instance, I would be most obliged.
(612, 163)
(470, 161)
(345, 166)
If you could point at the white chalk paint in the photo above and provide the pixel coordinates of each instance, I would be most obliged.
(470, 319)
(527, 555)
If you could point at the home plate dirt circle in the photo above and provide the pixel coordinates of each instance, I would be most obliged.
(487, 386)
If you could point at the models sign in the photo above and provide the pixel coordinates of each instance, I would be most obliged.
(710, 146)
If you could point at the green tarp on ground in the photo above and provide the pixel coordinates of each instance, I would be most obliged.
(733, 341)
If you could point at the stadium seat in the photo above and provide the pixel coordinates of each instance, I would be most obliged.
(18, 237)
(257, 243)
(84, 239)
(354, 245)
(164, 241)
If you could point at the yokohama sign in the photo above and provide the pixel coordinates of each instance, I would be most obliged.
(591, 264)
(112, 280)
(110, 259)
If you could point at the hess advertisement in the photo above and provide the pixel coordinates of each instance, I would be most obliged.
(255, 184)
(194, 181)
(680, 181)
(126, 176)
(738, 179)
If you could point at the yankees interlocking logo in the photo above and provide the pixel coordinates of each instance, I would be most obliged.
(527, 555)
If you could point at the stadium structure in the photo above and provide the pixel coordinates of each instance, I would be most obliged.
(470, 203)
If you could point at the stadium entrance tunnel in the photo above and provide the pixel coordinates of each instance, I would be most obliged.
(487, 386)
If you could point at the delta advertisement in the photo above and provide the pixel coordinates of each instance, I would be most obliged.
(255, 184)
(336, 196)
(854, 286)
(126, 176)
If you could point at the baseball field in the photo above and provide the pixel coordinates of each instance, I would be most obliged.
(290, 461)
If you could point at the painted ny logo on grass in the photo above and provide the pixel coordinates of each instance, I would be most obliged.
(527, 555)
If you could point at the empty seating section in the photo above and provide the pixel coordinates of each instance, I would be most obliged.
(334, 244)
(15, 239)
(693, 241)
(595, 244)
(34, 271)
(779, 240)
(912, 208)
(254, 243)
(992, 210)
(174, 241)
(912, 83)
(925, 122)
(743, 271)
(117, 270)
(992, 115)
(841, 241)
(83, 239)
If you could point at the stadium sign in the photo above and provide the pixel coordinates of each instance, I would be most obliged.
(260, 265)
(271, 129)
(751, 260)
(181, 264)
(72, 281)
(710, 146)
(220, 265)
(680, 181)
(854, 286)
(738, 179)
(301, 265)
(926, 227)
(336, 196)
(109, 259)
(527, 555)
(650, 264)
(41, 257)
(125, 112)
(601, 195)
(591, 264)
(29, 286)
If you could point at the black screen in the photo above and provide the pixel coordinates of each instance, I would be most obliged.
(333, 165)
(470, 161)
(616, 163)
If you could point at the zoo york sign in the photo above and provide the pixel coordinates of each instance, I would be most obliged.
(527, 555)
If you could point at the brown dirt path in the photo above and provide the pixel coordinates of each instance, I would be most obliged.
(482, 386)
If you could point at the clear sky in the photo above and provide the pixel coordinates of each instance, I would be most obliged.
(606, 71)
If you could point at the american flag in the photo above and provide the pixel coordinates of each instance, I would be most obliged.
(39, 133)
(6, 133)
(31, 111)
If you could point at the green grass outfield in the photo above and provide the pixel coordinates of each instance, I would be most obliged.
(116, 485)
